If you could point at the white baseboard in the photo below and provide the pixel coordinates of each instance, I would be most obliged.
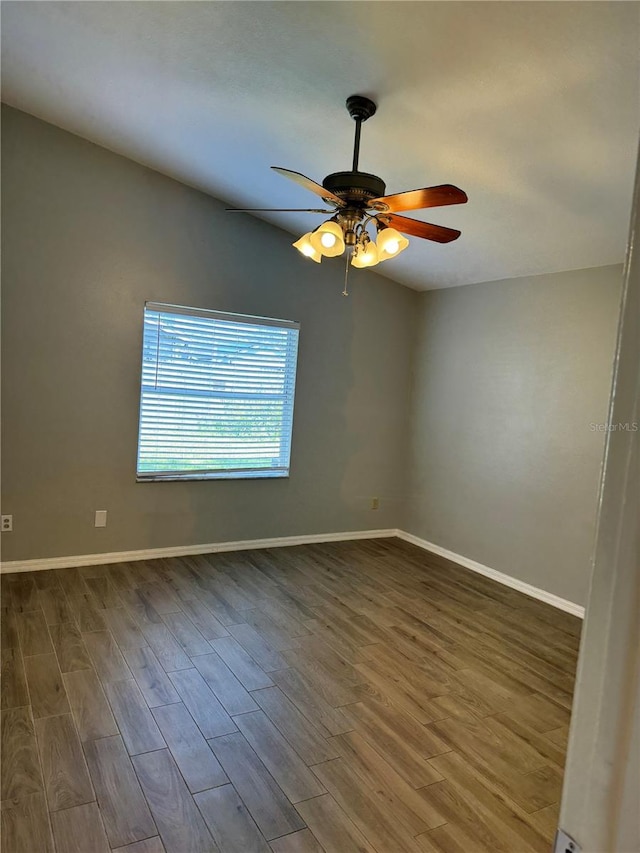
(185, 550)
(500, 577)
(284, 541)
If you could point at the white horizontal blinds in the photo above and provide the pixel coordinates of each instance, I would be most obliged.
(217, 394)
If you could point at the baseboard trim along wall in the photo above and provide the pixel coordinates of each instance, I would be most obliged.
(285, 541)
(500, 577)
(186, 550)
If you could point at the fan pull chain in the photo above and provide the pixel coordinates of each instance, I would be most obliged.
(345, 292)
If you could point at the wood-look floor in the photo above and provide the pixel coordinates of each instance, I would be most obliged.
(360, 696)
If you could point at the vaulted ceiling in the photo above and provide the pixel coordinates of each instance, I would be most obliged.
(533, 108)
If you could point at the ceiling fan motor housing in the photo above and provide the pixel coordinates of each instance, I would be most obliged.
(354, 187)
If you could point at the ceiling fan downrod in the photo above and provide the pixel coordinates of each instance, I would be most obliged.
(360, 109)
(355, 188)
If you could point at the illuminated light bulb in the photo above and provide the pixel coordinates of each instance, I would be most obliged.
(328, 239)
(306, 248)
(390, 243)
(365, 256)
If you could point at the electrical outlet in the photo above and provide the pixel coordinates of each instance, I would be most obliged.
(565, 844)
(7, 523)
(101, 518)
(375, 503)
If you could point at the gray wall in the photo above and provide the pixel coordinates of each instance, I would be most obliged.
(508, 377)
(486, 450)
(88, 236)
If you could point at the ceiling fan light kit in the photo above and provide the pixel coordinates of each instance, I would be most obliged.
(328, 239)
(306, 248)
(365, 255)
(390, 243)
(357, 199)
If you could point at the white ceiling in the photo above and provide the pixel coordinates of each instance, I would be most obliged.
(532, 108)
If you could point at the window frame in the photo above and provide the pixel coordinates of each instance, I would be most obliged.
(282, 472)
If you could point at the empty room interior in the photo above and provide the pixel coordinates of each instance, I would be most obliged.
(319, 427)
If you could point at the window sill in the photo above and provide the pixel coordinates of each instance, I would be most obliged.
(218, 475)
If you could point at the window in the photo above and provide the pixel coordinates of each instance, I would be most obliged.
(217, 394)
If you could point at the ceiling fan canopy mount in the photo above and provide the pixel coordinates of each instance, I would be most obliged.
(360, 107)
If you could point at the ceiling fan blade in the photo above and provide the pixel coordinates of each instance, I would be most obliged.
(277, 210)
(310, 185)
(415, 228)
(419, 199)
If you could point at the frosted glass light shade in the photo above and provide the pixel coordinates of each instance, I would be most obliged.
(365, 256)
(328, 239)
(390, 243)
(306, 248)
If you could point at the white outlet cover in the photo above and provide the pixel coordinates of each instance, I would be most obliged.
(101, 518)
(564, 843)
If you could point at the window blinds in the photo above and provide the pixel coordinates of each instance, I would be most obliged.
(217, 394)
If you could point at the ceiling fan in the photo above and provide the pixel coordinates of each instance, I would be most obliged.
(356, 200)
